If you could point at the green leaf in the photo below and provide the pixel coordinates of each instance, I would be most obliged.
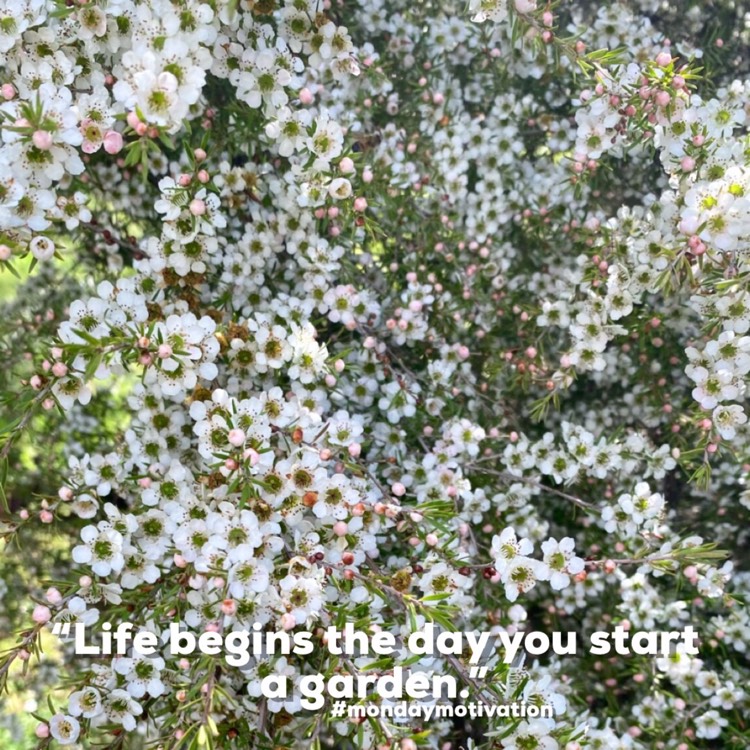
(92, 366)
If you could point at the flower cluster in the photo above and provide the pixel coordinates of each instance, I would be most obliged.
(385, 314)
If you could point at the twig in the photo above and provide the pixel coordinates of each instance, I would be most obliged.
(507, 476)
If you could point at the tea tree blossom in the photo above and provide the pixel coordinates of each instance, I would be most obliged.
(386, 314)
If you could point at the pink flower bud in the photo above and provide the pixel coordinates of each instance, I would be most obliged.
(113, 142)
(41, 614)
(59, 369)
(133, 120)
(288, 621)
(197, 207)
(42, 731)
(340, 528)
(346, 165)
(355, 449)
(46, 517)
(306, 96)
(236, 437)
(687, 164)
(203, 176)
(663, 59)
(252, 455)
(8, 91)
(199, 154)
(164, 351)
(42, 139)
(360, 204)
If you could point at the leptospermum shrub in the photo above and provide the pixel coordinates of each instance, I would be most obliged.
(385, 313)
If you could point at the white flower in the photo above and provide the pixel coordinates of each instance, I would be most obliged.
(506, 547)
(340, 188)
(562, 562)
(530, 734)
(65, 729)
(68, 390)
(643, 505)
(157, 96)
(143, 674)
(521, 575)
(727, 419)
(709, 725)
(713, 581)
(121, 708)
(86, 702)
(102, 549)
(42, 248)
